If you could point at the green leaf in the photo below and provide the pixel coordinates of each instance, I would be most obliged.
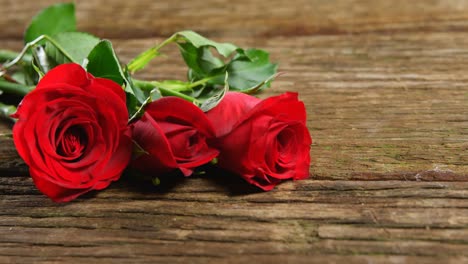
(19, 77)
(200, 60)
(225, 49)
(132, 104)
(209, 63)
(38, 70)
(183, 37)
(155, 94)
(250, 68)
(259, 86)
(52, 20)
(216, 98)
(30, 74)
(247, 70)
(132, 89)
(77, 44)
(26, 75)
(102, 62)
(6, 111)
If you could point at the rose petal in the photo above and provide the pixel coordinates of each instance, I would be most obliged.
(69, 73)
(72, 132)
(179, 111)
(54, 191)
(148, 134)
(266, 141)
(232, 109)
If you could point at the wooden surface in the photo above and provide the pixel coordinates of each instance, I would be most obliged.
(386, 88)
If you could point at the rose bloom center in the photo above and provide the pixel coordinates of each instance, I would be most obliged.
(72, 144)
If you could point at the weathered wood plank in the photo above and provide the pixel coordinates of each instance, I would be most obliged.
(385, 88)
(295, 211)
(366, 233)
(242, 259)
(139, 224)
(134, 19)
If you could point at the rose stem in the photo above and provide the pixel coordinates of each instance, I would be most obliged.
(8, 55)
(15, 88)
(148, 86)
(168, 92)
(143, 58)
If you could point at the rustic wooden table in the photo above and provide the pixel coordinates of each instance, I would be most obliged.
(386, 88)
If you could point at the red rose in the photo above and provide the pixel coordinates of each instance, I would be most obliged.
(72, 132)
(266, 141)
(172, 133)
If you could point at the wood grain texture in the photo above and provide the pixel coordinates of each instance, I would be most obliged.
(142, 18)
(387, 98)
(201, 220)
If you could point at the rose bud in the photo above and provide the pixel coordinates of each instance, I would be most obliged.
(172, 134)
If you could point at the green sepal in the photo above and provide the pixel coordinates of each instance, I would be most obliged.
(6, 111)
